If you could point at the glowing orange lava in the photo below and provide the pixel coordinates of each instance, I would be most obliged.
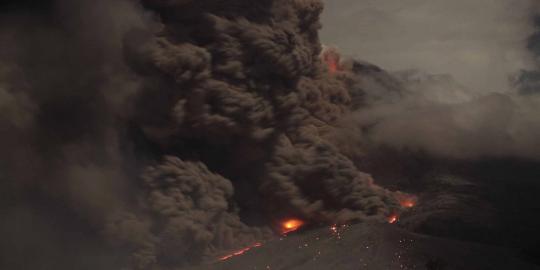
(291, 225)
(239, 252)
(393, 219)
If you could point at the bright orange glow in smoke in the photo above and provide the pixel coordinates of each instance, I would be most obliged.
(291, 225)
(239, 252)
(332, 66)
(408, 203)
(406, 200)
(331, 57)
(393, 219)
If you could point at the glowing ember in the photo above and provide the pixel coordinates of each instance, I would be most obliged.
(393, 219)
(335, 231)
(239, 252)
(291, 225)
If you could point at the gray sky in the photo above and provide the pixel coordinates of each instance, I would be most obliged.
(479, 42)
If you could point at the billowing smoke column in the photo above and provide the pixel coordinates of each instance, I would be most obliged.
(193, 135)
(237, 92)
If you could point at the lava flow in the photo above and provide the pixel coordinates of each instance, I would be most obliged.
(291, 225)
(239, 252)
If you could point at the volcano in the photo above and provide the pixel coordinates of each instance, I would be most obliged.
(213, 134)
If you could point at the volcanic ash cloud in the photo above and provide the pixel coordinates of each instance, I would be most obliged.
(239, 88)
(199, 127)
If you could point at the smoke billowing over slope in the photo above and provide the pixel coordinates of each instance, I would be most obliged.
(492, 126)
(468, 101)
(432, 113)
(161, 132)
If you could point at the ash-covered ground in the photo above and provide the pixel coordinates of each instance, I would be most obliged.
(371, 246)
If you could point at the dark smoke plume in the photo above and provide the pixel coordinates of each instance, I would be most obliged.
(173, 130)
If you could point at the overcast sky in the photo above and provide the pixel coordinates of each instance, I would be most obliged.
(479, 42)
